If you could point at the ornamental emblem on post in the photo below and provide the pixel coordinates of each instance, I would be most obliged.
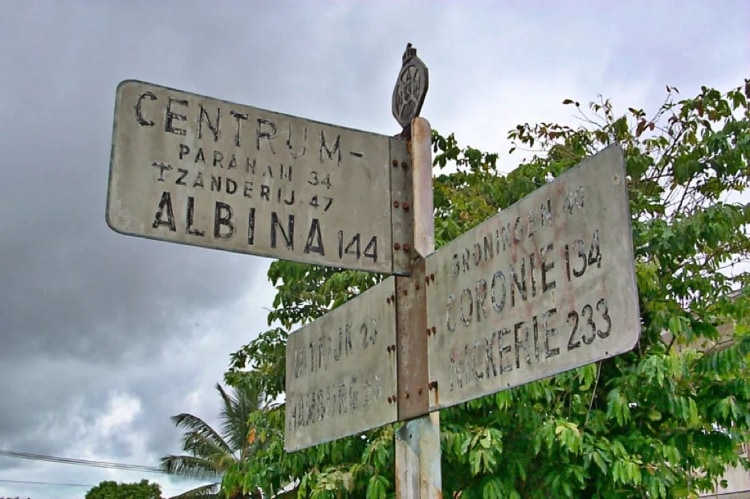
(411, 88)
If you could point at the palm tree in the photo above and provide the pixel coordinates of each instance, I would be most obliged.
(210, 453)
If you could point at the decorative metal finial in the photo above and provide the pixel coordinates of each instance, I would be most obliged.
(411, 88)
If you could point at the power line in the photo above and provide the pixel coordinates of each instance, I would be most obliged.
(81, 462)
(31, 482)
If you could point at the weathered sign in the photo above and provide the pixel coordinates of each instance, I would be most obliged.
(205, 172)
(542, 287)
(341, 371)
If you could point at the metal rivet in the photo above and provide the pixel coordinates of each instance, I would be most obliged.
(393, 298)
(395, 204)
(406, 394)
(396, 246)
(390, 400)
(416, 285)
(432, 277)
(428, 332)
(405, 206)
(388, 300)
(407, 246)
(419, 390)
(395, 163)
(404, 165)
(434, 330)
(405, 292)
(432, 385)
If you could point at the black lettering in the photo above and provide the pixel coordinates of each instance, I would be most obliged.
(162, 167)
(172, 116)
(521, 343)
(488, 249)
(601, 307)
(266, 130)
(489, 355)
(184, 150)
(498, 291)
(138, 115)
(239, 117)
(200, 157)
(465, 258)
(371, 250)
(290, 200)
(503, 349)
(251, 226)
(232, 163)
(519, 285)
(214, 127)
(466, 317)
(218, 158)
(549, 332)
(330, 153)
(546, 267)
(250, 166)
(573, 318)
(448, 308)
(216, 183)
(285, 172)
(164, 204)
(477, 254)
(589, 310)
(546, 213)
(315, 239)
(230, 185)
(223, 217)
(294, 154)
(248, 190)
(265, 192)
(189, 219)
(288, 234)
(181, 179)
(480, 296)
(198, 182)
(532, 275)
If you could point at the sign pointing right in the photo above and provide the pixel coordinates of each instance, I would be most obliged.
(540, 288)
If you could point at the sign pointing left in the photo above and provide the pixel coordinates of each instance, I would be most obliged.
(195, 170)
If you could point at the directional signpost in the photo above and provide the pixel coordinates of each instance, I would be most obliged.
(544, 286)
(341, 371)
(205, 172)
(540, 288)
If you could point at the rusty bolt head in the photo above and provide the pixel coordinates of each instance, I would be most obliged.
(405, 206)
(434, 330)
(406, 292)
(406, 394)
(416, 285)
(388, 300)
(395, 204)
(395, 163)
(407, 246)
(432, 277)
(393, 348)
(419, 390)
(396, 246)
(404, 164)
(432, 385)
(393, 298)
(390, 400)
(429, 332)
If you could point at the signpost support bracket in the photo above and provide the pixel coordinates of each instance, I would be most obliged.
(418, 441)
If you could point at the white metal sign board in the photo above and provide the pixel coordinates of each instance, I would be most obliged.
(341, 371)
(540, 288)
(205, 172)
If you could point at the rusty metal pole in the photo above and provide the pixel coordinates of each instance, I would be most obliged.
(418, 441)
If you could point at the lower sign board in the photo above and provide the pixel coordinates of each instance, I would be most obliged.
(195, 170)
(540, 288)
(341, 371)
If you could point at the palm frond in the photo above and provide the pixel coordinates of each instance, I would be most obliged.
(210, 490)
(196, 425)
(188, 466)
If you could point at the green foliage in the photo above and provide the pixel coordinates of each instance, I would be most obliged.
(664, 420)
(209, 452)
(113, 490)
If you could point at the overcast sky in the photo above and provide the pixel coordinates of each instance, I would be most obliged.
(102, 336)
